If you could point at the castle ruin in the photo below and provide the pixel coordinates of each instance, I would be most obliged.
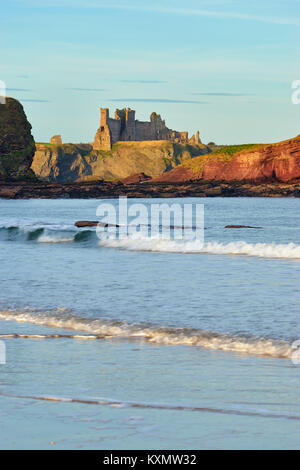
(124, 127)
(56, 140)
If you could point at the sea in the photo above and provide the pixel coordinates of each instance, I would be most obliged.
(142, 343)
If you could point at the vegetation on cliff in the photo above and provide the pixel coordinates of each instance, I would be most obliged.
(79, 162)
(250, 162)
(17, 146)
(222, 155)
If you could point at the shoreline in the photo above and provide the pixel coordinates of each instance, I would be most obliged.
(146, 189)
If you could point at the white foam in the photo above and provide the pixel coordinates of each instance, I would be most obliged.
(156, 334)
(54, 239)
(262, 250)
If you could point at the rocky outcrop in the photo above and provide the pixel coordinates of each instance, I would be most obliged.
(64, 162)
(138, 178)
(254, 163)
(241, 226)
(79, 162)
(16, 142)
(24, 190)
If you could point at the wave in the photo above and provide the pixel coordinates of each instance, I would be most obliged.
(55, 238)
(54, 336)
(41, 232)
(262, 250)
(25, 225)
(99, 329)
(58, 237)
(156, 406)
(45, 233)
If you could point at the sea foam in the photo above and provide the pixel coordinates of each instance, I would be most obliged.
(262, 250)
(162, 335)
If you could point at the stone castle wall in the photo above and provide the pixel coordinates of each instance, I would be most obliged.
(124, 127)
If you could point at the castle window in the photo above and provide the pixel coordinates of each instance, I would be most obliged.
(102, 128)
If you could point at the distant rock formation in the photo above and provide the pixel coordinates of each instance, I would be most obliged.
(56, 140)
(278, 162)
(16, 142)
(138, 178)
(101, 189)
(79, 162)
(124, 127)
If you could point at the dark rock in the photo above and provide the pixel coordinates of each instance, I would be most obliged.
(17, 146)
(93, 223)
(240, 226)
(147, 189)
(138, 178)
(86, 223)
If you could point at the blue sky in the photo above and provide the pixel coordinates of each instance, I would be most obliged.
(223, 67)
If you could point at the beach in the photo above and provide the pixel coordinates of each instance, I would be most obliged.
(123, 344)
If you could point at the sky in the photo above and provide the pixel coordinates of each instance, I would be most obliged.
(224, 67)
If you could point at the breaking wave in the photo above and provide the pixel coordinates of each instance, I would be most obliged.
(262, 250)
(99, 329)
(41, 232)
(55, 239)
(45, 233)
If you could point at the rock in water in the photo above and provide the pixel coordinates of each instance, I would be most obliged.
(86, 223)
(17, 146)
(93, 223)
(240, 226)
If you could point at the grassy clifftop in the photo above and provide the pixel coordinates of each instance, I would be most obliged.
(223, 155)
(79, 162)
(251, 162)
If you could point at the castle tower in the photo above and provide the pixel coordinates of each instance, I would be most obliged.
(130, 124)
(104, 115)
(198, 140)
(130, 115)
(103, 139)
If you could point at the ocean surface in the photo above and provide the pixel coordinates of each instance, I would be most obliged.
(150, 344)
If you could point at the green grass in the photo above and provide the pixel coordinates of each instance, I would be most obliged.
(223, 154)
(231, 150)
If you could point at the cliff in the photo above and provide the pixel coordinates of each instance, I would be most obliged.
(16, 142)
(256, 163)
(79, 162)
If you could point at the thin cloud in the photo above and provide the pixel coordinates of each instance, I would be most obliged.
(223, 15)
(157, 100)
(222, 94)
(87, 89)
(143, 81)
(18, 89)
(33, 100)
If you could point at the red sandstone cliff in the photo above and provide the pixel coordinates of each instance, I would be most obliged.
(272, 162)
